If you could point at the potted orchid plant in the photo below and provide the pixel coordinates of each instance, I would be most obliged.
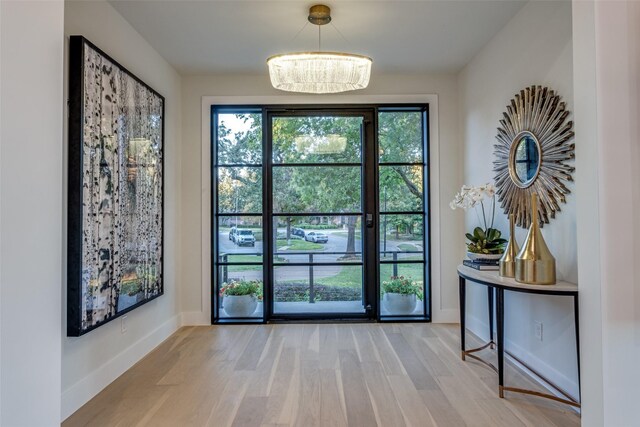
(485, 242)
(240, 297)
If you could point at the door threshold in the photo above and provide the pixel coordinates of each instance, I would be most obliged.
(307, 321)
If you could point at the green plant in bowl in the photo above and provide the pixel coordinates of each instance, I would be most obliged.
(486, 242)
(402, 285)
(238, 288)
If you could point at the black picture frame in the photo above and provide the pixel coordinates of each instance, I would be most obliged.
(131, 160)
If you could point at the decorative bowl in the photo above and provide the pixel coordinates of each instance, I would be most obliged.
(399, 303)
(239, 305)
(483, 257)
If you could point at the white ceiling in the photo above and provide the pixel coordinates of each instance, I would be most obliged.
(236, 36)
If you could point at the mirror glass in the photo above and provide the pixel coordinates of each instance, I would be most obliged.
(526, 158)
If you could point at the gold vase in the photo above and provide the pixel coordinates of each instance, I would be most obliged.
(534, 263)
(508, 260)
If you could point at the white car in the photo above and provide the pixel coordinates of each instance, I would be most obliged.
(316, 237)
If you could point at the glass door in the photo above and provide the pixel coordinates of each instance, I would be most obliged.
(320, 216)
(320, 213)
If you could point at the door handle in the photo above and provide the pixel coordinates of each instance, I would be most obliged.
(369, 220)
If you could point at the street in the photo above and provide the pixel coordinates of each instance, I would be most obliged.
(330, 252)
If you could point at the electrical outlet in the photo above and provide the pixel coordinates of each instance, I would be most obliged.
(538, 330)
(123, 324)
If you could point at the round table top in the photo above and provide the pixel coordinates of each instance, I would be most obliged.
(492, 278)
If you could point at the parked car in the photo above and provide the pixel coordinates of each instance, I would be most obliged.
(298, 232)
(232, 234)
(244, 237)
(316, 237)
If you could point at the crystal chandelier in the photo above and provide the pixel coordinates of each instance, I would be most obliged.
(319, 72)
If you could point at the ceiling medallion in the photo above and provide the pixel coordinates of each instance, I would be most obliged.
(319, 72)
(531, 153)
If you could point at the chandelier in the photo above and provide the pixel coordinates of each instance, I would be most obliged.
(319, 72)
(329, 144)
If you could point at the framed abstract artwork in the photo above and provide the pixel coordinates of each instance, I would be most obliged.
(115, 190)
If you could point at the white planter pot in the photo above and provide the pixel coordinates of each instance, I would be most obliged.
(239, 305)
(489, 257)
(400, 303)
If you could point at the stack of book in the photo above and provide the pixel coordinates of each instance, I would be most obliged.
(482, 264)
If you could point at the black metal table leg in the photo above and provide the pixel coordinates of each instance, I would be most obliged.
(497, 302)
(490, 301)
(577, 320)
(462, 291)
(500, 322)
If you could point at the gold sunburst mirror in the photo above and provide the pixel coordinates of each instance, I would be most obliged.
(531, 154)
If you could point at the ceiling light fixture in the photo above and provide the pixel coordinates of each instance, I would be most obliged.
(319, 72)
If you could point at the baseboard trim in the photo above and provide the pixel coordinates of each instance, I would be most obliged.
(555, 389)
(450, 315)
(560, 383)
(195, 318)
(84, 390)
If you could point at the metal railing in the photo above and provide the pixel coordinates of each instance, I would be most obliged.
(224, 260)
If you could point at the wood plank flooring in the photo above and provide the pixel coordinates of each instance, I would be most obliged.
(316, 375)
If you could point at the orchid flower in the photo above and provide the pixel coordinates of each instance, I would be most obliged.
(471, 197)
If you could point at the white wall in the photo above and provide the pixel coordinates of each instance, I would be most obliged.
(0, 215)
(587, 204)
(92, 361)
(195, 303)
(607, 71)
(535, 47)
(31, 211)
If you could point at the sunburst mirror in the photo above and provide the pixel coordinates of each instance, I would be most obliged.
(531, 154)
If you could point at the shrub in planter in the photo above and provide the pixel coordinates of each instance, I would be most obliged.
(240, 297)
(401, 294)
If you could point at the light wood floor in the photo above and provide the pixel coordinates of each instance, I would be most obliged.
(316, 375)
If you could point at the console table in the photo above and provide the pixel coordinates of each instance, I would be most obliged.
(494, 282)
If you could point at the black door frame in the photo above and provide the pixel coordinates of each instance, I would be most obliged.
(370, 205)
(367, 206)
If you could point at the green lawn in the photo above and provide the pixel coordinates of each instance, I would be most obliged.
(407, 247)
(404, 237)
(414, 271)
(244, 258)
(299, 245)
(238, 268)
(248, 258)
(349, 276)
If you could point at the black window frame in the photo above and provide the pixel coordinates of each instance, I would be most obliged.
(425, 213)
(370, 165)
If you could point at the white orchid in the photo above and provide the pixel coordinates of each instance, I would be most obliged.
(487, 241)
(470, 196)
(490, 190)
